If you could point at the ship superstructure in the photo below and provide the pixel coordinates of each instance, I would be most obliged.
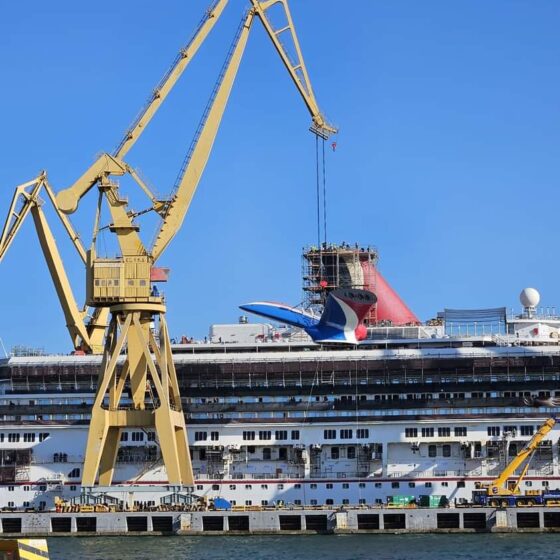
(415, 410)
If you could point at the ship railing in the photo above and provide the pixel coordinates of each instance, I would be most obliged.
(37, 460)
(252, 476)
(431, 473)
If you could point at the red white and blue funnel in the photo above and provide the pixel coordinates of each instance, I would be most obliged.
(340, 322)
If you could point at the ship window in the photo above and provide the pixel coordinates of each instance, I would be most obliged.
(151, 436)
(1, 437)
(73, 488)
(527, 430)
(248, 486)
(264, 502)
(248, 436)
(295, 434)
(248, 502)
(461, 484)
(378, 485)
(202, 454)
(265, 435)
(43, 488)
(444, 432)
(198, 436)
(446, 450)
(10, 488)
(428, 484)
(313, 502)
(460, 431)
(412, 484)
(493, 430)
(199, 487)
(362, 501)
(345, 486)
(267, 453)
(411, 432)
(329, 486)
(283, 453)
(29, 437)
(13, 437)
(26, 488)
(432, 450)
(362, 485)
(297, 502)
(445, 483)
(313, 486)
(250, 449)
(137, 436)
(427, 432)
(280, 486)
(264, 486)
(395, 485)
(351, 453)
(335, 453)
(329, 434)
(215, 487)
(233, 502)
(527, 483)
(74, 473)
(362, 433)
(281, 434)
(329, 502)
(11, 504)
(232, 486)
(345, 434)
(545, 483)
(297, 486)
(124, 436)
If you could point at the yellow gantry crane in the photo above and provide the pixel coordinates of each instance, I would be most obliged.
(133, 357)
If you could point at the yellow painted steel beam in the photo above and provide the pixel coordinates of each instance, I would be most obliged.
(160, 93)
(498, 487)
(297, 70)
(179, 204)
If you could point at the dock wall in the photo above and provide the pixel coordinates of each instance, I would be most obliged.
(283, 521)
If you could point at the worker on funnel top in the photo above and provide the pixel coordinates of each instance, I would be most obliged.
(155, 291)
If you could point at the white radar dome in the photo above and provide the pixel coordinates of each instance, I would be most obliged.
(529, 297)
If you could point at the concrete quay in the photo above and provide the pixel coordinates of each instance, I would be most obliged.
(283, 521)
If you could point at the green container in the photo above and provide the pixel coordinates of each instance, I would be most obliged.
(433, 501)
(400, 500)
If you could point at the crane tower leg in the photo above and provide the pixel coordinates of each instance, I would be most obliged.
(147, 364)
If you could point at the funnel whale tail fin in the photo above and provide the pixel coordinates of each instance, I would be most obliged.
(340, 322)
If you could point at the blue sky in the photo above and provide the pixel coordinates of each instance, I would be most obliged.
(447, 156)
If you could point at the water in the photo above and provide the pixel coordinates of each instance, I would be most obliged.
(329, 547)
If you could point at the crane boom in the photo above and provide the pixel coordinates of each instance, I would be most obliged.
(68, 199)
(297, 68)
(198, 154)
(498, 487)
(186, 54)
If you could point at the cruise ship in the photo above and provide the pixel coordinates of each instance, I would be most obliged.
(273, 418)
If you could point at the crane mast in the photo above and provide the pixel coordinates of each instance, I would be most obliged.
(133, 357)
